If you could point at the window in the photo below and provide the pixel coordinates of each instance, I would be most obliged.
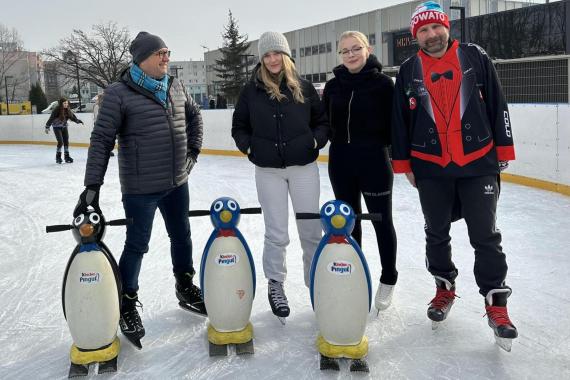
(372, 39)
(315, 78)
(315, 49)
(307, 51)
(322, 48)
(293, 53)
(322, 77)
(329, 47)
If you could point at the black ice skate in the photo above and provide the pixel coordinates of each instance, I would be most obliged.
(278, 300)
(441, 304)
(189, 295)
(67, 158)
(130, 322)
(498, 318)
(58, 158)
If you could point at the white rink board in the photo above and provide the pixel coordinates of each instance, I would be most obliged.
(564, 144)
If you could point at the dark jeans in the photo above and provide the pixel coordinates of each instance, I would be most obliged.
(364, 170)
(62, 137)
(478, 198)
(173, 205)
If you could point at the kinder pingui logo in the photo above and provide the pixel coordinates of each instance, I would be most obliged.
(89, 277)
(227, 260)
(341, 268)
(413, 103)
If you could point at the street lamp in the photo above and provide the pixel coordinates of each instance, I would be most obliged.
(6, 85)
(462, 20)
(69, 55)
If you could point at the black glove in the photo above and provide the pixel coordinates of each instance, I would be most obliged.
(503, 165)
(89, 197)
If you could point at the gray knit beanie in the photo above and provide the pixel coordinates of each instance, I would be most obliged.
(272, 41)
(144, 45)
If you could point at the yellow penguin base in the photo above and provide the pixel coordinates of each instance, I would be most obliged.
(232, 337)
(102, 355)
(333, 351)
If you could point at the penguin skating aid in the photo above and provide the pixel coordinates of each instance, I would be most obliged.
(227, 279)
(91, 296)
(340, 289)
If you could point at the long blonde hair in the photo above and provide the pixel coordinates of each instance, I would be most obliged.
(289, 74)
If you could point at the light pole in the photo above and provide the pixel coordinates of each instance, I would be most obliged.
(6, 85)
(69, 54)
(462, 20)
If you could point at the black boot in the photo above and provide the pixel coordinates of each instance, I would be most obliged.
(189, 295)
(130, 322)
(68, 159)
(277, 299)
(58, 158)
(444, 298)
(498, 317)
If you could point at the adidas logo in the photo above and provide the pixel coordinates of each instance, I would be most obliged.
(489, 190)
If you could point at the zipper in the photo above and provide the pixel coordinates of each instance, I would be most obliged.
(348, 121)
(169, 117)
(280, 150)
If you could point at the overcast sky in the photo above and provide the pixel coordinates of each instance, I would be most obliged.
(184, 25)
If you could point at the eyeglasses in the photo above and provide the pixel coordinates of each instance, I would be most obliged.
(355, 50)
(163, 53)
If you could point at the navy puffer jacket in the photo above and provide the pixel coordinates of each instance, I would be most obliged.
(157, 146)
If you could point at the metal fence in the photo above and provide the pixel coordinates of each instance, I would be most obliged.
(535, 80)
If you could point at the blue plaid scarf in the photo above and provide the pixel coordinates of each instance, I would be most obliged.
(157, 87)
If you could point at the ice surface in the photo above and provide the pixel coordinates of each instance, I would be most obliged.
(35, 341)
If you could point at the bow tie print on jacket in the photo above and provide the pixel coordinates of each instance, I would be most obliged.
(443, 84)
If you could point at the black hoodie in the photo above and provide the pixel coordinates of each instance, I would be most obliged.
(359, 105)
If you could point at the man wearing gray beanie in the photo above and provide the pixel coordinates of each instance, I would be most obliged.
(159, 133)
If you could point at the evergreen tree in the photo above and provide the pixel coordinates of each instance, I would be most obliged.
(37, 97)
(230, 68)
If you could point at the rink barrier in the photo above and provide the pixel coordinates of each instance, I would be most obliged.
(541, 132)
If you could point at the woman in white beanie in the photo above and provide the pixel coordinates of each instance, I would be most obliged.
(279, 122)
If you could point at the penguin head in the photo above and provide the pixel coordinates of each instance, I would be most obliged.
(88, 227)
(337, 218)
(225, 213)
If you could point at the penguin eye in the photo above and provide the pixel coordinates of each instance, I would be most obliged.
(218, 206)
(94, 218)
(79, 219)
(345, 210)
(329, 210)
(232, 205)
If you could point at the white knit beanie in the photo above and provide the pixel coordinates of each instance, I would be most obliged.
(272, 41)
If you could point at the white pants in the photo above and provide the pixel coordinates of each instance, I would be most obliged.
(273, 186)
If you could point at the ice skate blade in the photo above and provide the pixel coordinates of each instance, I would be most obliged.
(505, 343)
(185, 306)
(435, 325)
(134, 341)
(283, 320)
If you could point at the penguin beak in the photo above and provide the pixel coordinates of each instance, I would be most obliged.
(225, 216)
(338, 221)
(86, 230)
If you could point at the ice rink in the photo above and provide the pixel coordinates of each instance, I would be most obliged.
(35, 341)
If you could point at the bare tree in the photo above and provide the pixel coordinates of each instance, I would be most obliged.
(11, 50)
(98, 57)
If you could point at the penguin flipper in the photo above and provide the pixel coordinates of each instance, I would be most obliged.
(78, 370)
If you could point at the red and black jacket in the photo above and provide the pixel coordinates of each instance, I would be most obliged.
(450, 118)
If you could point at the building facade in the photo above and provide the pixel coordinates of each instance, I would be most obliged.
(192, 74)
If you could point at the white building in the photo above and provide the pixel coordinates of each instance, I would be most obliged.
(192, 74)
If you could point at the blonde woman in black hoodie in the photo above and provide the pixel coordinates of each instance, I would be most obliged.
(359, 103)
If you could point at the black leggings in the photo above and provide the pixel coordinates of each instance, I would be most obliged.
(62, 137)
(365, 169)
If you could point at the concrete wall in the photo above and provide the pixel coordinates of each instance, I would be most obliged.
(541, 132)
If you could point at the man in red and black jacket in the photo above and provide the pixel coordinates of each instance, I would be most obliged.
(451, 136)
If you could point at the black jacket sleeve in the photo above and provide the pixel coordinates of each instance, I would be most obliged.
(319, 121)
(194, 128)
(103, 137)
(52, 117)
(241, 125)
